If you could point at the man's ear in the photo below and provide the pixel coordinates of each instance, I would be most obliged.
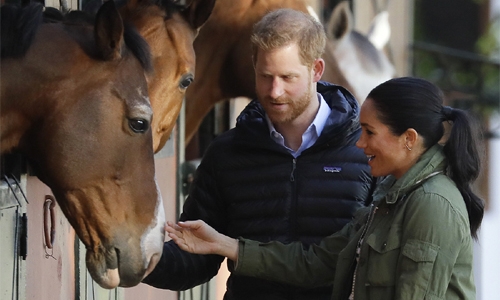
(318, 69)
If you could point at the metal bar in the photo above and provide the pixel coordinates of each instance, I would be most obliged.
(15, 273)
(455, 53)
(19, 186)
(12, 190)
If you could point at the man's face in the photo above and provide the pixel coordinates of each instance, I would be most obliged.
(284, 86)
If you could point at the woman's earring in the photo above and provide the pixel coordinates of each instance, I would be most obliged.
(409, 149)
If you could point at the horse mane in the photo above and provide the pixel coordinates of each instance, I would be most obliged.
(20, 25)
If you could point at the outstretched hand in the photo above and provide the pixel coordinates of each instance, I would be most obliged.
(198, 237)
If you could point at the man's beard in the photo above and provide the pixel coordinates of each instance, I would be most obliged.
(296, 107)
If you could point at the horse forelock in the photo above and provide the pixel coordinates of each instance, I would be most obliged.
(19, 27)
(138, 46)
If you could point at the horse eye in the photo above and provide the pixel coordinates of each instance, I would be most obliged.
(138, 125)
(186, 81)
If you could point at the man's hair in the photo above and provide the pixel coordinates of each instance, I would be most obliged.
(287, 26)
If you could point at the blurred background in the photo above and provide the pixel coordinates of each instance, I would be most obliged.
(452, 43)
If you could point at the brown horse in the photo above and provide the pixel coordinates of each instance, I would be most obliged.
(74, 101)
(223, 56)
(170, 30)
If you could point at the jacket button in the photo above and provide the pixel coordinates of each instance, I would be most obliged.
(384, 245)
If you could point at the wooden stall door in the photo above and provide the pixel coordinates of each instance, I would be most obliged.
(12, 266)
(50, 273)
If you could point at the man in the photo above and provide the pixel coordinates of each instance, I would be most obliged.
(289, 171)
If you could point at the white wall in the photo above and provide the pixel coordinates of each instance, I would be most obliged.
(487, 250)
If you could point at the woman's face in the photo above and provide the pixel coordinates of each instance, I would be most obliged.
(386, 152)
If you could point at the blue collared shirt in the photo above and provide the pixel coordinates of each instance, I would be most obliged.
(312, 132)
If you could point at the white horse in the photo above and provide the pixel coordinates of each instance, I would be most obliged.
(361, 58)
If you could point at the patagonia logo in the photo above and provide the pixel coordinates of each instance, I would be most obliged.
(332, 169)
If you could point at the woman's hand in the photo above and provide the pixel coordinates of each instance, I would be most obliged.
(198, 237)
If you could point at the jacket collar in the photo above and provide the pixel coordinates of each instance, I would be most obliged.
(431, 163)
(342, 121)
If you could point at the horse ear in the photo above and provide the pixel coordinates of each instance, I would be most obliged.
(198, 11)
(108, 31)
(340, 23)
(380, 30)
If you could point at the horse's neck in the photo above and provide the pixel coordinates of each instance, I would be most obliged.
(27, 83)
(13, 127)
(18, 112)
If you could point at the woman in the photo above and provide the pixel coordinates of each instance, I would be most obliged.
(415, 241)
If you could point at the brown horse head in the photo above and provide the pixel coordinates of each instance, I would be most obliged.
(170, 30)
(224, 67)
(74, 100)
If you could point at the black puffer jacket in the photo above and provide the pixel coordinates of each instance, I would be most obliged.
(247, 185)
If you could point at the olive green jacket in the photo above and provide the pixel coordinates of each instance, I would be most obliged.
(415, 243)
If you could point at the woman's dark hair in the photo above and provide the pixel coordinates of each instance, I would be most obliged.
(409, 102)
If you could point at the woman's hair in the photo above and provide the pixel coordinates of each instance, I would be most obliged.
(408, 102)
(286, 26)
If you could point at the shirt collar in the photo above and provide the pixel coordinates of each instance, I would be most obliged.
(311, 134)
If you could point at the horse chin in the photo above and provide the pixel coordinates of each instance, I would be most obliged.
(103, 267)
(110, 279)
(108, 270)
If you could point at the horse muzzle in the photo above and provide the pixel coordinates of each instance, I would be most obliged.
(120, 266)
(128, 258)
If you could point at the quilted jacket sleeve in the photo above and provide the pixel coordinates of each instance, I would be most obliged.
(180, 270)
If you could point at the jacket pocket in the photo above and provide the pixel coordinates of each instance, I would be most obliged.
(417, 262)
(383, 259)
(381, 265)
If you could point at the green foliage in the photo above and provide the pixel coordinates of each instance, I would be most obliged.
(473, 78)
